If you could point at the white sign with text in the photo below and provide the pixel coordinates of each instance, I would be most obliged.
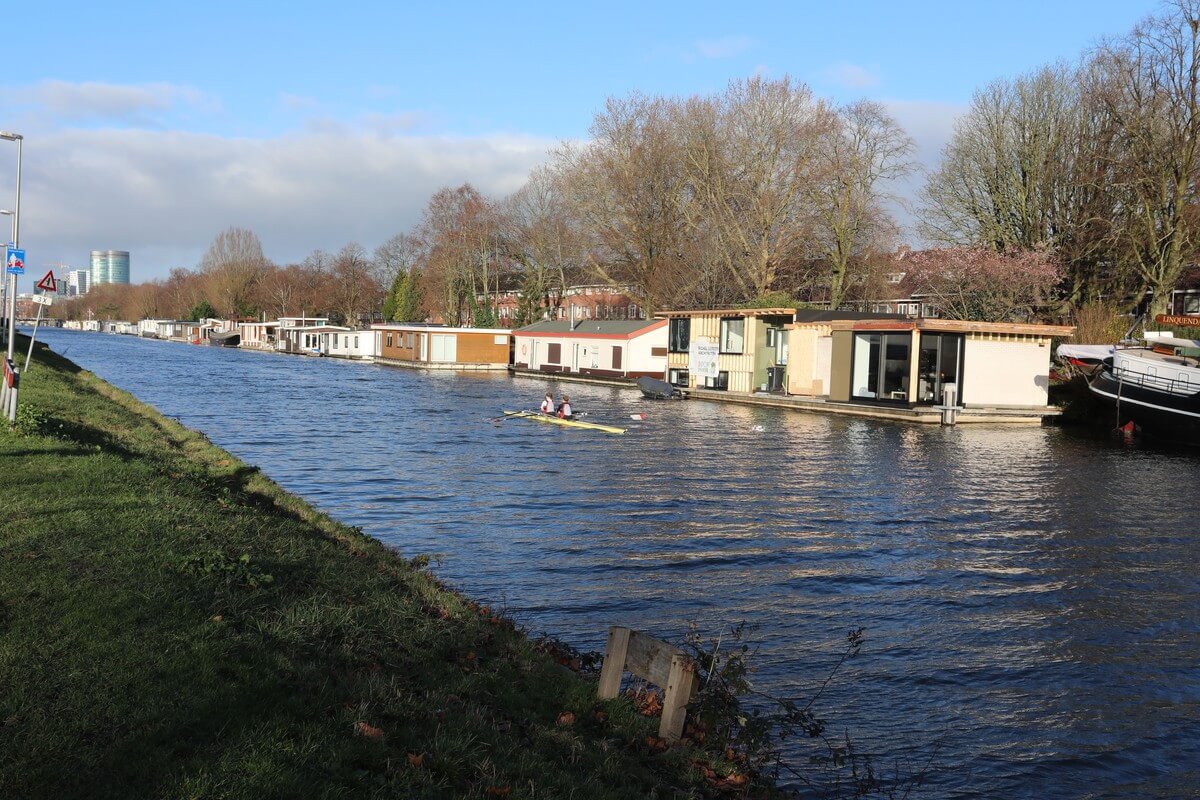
(702, 359)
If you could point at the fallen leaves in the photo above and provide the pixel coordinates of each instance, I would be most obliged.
(368, 731)
(565, 718)
(499, 791)
(416, 760)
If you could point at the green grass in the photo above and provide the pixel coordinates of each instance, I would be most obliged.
(173, 624)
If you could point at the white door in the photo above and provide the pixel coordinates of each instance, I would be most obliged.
(444, 348)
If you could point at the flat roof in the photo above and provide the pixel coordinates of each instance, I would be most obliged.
(397, 326)
(730, 312)
(623, 328)
(944, 326)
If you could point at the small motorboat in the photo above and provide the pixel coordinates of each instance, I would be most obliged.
(225, 338)
(655, 389)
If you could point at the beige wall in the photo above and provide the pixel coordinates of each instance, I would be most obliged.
(1006, 370)
(809, 355)
(839, 373)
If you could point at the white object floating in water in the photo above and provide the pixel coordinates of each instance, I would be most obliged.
(758, 429)
(637, 416)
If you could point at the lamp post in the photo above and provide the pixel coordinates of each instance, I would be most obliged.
(16, 241)
(4, 212)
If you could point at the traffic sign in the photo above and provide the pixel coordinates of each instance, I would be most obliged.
(14, 259)
(43, 299)
(47, 283)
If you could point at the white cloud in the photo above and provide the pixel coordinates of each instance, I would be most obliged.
(931, 126)
(94, 101)
(164, 195)
(851, 76)
(298, 102)
(725, 47)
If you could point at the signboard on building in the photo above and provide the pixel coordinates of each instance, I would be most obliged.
(1178, 321)
(702, 359)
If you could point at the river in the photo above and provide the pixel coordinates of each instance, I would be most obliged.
(1030, 596)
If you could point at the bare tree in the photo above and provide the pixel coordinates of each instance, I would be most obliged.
(864, 152)
(231, 268)
(544, 241)
(1151, 91)
(751, 158)
(625, 189)
(355, 291)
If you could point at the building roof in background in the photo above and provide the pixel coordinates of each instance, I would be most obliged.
(590, 327)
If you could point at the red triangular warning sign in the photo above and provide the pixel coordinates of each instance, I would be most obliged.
(47, 283)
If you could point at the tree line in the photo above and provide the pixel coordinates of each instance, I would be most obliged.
(1067, 186)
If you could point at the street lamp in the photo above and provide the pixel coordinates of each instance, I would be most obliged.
(4, 286)
(16, 242)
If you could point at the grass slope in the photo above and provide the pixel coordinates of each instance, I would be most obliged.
(173, 624)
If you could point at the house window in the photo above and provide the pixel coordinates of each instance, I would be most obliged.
(1191, 304)
(678, 377)
(389, 340)
(719, 382)
(554, 353)
(616, 359)
(679, 334)
(410, 341)
(733, 336)
(355, 342)
(335, 340)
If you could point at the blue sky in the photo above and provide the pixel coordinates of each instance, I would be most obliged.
(152, 127)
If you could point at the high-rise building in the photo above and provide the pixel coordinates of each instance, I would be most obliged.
(109, 266)
(77, 282)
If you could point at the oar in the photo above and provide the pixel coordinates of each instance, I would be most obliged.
(503, 417)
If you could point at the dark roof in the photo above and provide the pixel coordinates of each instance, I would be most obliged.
(821, 315)
(617, 327)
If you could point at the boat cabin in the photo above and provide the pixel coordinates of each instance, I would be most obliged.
(601, 348)
(912, 362)
(437, 347)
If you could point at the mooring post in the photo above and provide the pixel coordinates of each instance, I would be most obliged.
(950, 404)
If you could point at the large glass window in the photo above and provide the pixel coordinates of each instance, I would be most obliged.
(881, 362)
(938, 364)
(733, 336)
(679, 335)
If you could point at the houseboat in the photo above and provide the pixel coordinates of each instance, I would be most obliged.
(435, 347)
(626, 349)
(1155, 386)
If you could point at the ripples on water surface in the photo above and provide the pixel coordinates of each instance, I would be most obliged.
(1031, 599)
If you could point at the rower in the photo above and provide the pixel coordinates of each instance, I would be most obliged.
(564, 410)
(548, 404)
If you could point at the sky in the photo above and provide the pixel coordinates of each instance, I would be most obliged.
(153, 127)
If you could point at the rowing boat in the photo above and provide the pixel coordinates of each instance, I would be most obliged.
(569, 423)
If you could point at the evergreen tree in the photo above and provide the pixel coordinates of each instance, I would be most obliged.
(202, 310)
(403, 302)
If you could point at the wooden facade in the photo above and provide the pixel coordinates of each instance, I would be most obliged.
(443, 348)
(763, 348)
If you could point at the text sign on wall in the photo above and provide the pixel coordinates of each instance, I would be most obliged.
(702, 359)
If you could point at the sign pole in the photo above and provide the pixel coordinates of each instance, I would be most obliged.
(32, 337)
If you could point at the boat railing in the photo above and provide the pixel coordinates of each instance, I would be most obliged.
(1177, 386)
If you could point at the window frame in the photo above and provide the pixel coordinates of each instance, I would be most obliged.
(721, 336)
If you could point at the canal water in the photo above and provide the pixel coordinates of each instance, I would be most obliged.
(1031, 598)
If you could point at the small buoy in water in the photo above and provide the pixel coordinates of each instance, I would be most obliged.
(758, 429)
(1129, 428)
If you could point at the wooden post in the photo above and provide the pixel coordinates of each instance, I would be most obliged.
(659, 663)
(614, 663)
(680, 686)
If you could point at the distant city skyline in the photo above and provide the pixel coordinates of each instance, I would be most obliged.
(167, 135)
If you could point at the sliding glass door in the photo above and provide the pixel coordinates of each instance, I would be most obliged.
(881, 362)
(939, 364)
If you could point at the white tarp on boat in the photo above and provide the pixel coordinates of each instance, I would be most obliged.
(1085, 352)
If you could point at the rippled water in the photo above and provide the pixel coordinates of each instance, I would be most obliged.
(1031, 598)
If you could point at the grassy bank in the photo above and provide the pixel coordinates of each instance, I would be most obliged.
(173, 624)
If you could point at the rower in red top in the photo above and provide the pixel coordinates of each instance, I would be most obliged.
(564, 410)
